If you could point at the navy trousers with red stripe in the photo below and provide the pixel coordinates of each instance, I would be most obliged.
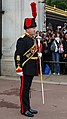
(26, 81)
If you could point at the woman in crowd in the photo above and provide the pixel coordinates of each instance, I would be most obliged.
(55, 53)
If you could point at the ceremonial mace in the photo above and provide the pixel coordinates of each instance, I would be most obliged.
(42, 87)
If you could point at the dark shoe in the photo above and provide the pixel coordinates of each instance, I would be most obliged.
(33, 111)
(28, 114)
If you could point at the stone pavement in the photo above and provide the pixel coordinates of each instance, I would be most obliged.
(55, 93)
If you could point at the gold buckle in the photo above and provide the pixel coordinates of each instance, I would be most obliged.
(34, 58)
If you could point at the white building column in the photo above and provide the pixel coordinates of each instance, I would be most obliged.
(11, 30)
(41, 16)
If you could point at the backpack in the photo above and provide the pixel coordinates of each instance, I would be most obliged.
(52, 47)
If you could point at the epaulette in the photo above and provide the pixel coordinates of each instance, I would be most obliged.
(22, 36)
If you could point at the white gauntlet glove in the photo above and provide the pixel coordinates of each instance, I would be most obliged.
(39, 54)
(19, 71)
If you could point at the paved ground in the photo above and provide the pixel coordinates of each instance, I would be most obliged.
(55, 90)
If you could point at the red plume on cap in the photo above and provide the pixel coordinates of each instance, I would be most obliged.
(33, 7)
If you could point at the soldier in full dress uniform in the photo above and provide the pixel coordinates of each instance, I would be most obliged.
(26, 60)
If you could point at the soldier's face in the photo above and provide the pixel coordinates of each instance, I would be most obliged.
(31, 31)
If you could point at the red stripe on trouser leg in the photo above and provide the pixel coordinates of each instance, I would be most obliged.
(21, 94)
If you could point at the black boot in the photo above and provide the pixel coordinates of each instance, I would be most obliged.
(28, 114)
(33, 111)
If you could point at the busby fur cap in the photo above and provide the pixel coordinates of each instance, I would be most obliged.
(29, 23)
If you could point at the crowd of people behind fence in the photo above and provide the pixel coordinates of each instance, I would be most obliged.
(54, 50)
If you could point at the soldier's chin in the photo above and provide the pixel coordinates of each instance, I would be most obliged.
(34, 33)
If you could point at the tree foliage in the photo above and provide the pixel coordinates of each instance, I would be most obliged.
(61, 4)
